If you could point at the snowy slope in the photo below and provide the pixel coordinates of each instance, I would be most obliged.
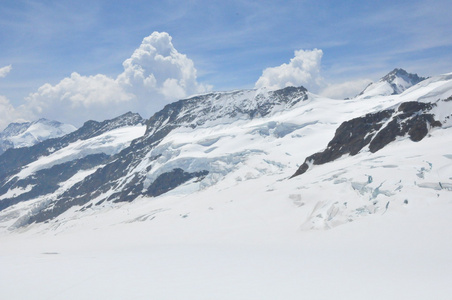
(201, 206)
(18, 135)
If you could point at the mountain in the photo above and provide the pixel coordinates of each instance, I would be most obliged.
(27, 134)
(200, 142)
(242, 194)
(136, 170)
(40, 171)
(393, 83)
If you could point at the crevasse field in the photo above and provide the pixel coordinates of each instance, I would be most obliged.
(370, 226)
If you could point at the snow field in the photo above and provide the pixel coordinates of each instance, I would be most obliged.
(391, 257)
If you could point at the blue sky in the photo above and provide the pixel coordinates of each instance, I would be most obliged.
(230, 44)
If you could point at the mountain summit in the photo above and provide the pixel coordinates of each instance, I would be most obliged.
(27, 134)
(393, 83)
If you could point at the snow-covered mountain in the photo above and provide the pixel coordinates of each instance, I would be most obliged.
(234, 173)
(39, 171)
(200, 143)
(27, 134)
(140, 169)
(393, 83)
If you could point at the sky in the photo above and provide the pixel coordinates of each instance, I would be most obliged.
(73, 61)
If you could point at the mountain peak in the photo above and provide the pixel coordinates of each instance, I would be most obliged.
(393, 83)
(25, 134)
(392, 77)
(397, 72)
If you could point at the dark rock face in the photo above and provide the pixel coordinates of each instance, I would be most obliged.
(376, 131)
(412, 119)
(170, 180)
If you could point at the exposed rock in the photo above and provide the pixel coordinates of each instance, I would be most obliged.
(375, 130)
(170, 180)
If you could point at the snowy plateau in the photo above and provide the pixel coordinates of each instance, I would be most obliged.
(247, 194)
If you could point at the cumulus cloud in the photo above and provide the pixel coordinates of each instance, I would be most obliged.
(154, 75)
(157, 67)
(77, 98)
(346, 89)
(5, 70)
(303, 69)
(9, 114)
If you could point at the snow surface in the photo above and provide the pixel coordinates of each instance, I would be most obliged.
(371, 226)
(233, 251)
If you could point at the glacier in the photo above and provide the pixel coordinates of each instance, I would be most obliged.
(374, 224)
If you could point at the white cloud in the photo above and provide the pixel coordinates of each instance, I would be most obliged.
(303, 69)
(157, 67)
(347, 89)
(5, 70)
(9, 114)
(154, 75)
(77, 98)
